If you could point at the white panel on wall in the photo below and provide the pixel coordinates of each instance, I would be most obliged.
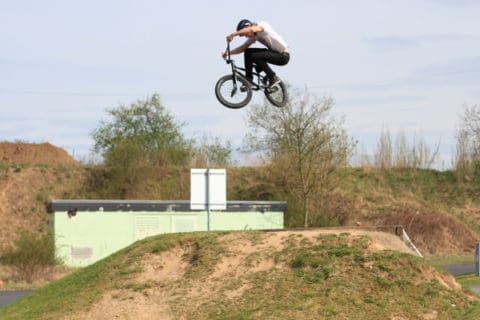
(184, 224)
(146, 226)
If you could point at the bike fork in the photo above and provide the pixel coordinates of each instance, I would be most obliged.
(234, 89)
(235, 80)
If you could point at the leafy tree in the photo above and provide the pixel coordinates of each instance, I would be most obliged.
(146, 128)
(136, 142)
(303, 143)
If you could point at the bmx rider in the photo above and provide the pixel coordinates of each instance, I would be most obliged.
(276, 51)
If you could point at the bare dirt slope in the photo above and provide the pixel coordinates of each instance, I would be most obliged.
(22, 204)
(27, 180)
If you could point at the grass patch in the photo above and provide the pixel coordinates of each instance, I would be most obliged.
(468, 280)
(443, 260)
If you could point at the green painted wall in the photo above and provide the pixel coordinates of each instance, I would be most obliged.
(92, 235)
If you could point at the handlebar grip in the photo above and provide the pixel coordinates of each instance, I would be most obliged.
(228, 52)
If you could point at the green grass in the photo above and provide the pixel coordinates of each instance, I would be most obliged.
(441, 260)
(437, 188)
(468, 280)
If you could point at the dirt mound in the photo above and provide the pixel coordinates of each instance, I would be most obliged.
(237, 271)
(43, 153)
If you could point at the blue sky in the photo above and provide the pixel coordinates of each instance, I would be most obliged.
(407, 65)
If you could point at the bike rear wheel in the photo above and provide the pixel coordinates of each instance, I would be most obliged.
(277, 95)
(230, 94)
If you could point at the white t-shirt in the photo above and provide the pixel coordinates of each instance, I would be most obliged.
(269, 38)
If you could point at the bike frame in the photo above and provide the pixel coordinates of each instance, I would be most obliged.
(276, 94)
(235, 72)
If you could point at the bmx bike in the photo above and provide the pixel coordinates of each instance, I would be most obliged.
(235, 91)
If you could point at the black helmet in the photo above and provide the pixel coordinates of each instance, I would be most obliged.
(243, 23)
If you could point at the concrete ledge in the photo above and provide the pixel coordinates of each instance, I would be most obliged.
(159, 205)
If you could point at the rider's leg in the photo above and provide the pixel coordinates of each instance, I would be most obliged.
(249, 57)
(263, 57)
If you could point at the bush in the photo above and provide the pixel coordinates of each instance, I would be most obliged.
(31, 257)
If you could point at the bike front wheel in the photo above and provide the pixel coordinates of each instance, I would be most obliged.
(277, 95)
(233, 94)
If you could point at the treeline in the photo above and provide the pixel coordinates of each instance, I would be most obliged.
(146, 155)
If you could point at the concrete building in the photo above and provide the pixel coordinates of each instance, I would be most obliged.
(89, 230)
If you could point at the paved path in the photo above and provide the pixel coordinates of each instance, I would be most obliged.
(7, 297)
(460, 269)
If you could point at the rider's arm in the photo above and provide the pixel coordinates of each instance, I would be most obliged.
(243, 47)
(240, 49)
(245, 31)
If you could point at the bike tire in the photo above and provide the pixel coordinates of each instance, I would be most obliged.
(231, 97)
(277, 95)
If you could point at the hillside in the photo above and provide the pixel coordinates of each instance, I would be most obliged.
(441, 215)
(329, 274)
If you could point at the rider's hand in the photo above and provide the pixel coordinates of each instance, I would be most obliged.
(230, 37)
(224, 55)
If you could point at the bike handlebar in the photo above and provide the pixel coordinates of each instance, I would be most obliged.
(228, 53)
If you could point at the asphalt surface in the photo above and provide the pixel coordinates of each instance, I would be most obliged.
(460, 269)
(7, 297)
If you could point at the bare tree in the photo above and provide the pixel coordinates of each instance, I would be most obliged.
(401, 154)
(468, 142)
(383, 155)
(210, 151)
(304, 143)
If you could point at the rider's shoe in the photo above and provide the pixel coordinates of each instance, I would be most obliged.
(273, 81)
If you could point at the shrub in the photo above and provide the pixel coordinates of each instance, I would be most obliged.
(31, 257)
